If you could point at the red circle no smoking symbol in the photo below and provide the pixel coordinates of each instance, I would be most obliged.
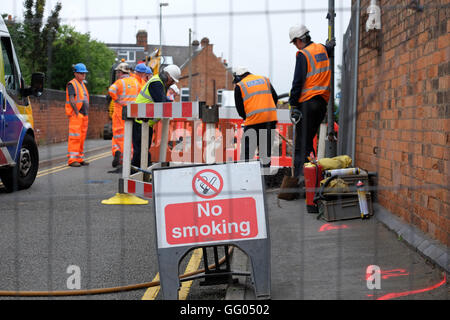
(207, 183)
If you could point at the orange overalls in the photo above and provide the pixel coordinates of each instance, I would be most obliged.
(78, 124)
(124, 90)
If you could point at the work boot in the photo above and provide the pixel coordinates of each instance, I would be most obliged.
(116, 160)
(84, 163)
(75, 164)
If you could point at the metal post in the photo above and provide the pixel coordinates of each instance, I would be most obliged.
(145, 136)
(190, 65)
(330, 143)
(126, 166)
(160, 24)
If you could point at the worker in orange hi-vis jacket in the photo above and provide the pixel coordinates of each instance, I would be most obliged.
(123, 91)
(77, 107)
(140, 73)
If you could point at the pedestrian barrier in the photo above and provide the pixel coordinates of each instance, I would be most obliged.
(181, 137)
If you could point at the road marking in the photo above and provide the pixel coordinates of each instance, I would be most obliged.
(65, 166)
(152, 292)
(192, 266)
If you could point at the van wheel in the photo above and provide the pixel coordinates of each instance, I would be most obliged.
(24, 173)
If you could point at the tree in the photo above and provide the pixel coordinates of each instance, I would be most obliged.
(71, 47)
(53, 49)
(32, 38)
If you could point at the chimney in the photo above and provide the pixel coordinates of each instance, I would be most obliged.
(195, 45)
(204, 42)
(141, 39)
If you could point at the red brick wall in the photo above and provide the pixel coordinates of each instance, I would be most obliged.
(403, 112)
(51, 124)
(212, 74)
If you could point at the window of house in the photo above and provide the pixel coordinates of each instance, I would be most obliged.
(184, 94)
(219, 97)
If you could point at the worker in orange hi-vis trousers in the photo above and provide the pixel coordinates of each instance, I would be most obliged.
(124, 90)
(77, 108)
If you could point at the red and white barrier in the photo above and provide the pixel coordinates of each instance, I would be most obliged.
(138, 188)
(171, 114)
(169, 110)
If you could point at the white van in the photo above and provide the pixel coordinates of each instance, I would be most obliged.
(19, 157)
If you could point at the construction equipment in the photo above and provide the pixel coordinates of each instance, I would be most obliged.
(289, 185)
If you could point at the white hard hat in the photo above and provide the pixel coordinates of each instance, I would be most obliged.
(173, 71)
(175, 88)
(239, 71)
(297, 31)
(124, 67)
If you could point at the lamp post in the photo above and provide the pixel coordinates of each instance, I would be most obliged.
(164, 4)
(330, 143)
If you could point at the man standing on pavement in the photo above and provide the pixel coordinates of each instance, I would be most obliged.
(77, 108)
(310, 91)
(124, 90)
(256, 102)
(155, 90)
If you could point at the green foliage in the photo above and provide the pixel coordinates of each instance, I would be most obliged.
(32, 38)
(52, 48)
(72, 47)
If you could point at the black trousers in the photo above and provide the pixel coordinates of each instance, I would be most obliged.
(313, 112)
(258, 136)
(137, 137)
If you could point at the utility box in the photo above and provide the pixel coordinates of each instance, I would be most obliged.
(209, 114)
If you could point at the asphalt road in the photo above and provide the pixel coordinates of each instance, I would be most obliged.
(60, 222)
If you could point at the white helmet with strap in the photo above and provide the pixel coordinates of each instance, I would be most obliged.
(298, 31)
(173, 71)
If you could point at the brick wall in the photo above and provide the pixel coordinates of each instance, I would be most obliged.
(403, 112)
(51, 124)
(212, 76)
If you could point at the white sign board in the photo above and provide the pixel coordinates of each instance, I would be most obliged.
(209, 204)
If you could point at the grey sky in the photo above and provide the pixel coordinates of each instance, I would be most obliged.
(248, 37)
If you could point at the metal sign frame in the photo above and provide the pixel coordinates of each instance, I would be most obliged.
(258, 250)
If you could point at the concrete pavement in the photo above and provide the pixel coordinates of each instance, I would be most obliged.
(314, 259)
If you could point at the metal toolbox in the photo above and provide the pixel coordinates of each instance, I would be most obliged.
(343, 206)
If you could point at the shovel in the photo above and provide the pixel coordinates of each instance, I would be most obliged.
(289, 185)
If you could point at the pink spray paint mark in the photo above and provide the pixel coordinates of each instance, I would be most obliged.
(394, 295)
(329, 226)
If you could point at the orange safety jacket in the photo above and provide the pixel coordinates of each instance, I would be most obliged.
(81, 96)
(258, 101)
(140, 81)
(318, 75)
(124, 90)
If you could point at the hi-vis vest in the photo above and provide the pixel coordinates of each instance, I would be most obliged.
(124, 90)
(145, 97)
(318, 75)
(258, 101)
(81, 96)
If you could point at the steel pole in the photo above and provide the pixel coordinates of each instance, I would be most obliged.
(330, 143)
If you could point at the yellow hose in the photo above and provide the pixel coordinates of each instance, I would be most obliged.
(102, 290)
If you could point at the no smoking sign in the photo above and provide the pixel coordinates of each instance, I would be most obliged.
(207, 184)
(209, 204)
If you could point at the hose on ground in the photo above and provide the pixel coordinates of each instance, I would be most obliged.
(102, 290)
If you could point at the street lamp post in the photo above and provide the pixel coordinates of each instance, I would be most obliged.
(164, 4)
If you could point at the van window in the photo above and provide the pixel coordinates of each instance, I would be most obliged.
(11, 76)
